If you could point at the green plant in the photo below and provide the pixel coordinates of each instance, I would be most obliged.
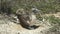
(54, 20)
(46, 6)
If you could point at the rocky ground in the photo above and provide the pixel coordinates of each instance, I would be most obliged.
(7, 26)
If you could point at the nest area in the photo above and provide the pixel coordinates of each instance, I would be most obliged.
(24, 17)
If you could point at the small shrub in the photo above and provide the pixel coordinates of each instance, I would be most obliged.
(5, 7)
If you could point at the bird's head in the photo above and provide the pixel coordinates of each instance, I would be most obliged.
(20, 11)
